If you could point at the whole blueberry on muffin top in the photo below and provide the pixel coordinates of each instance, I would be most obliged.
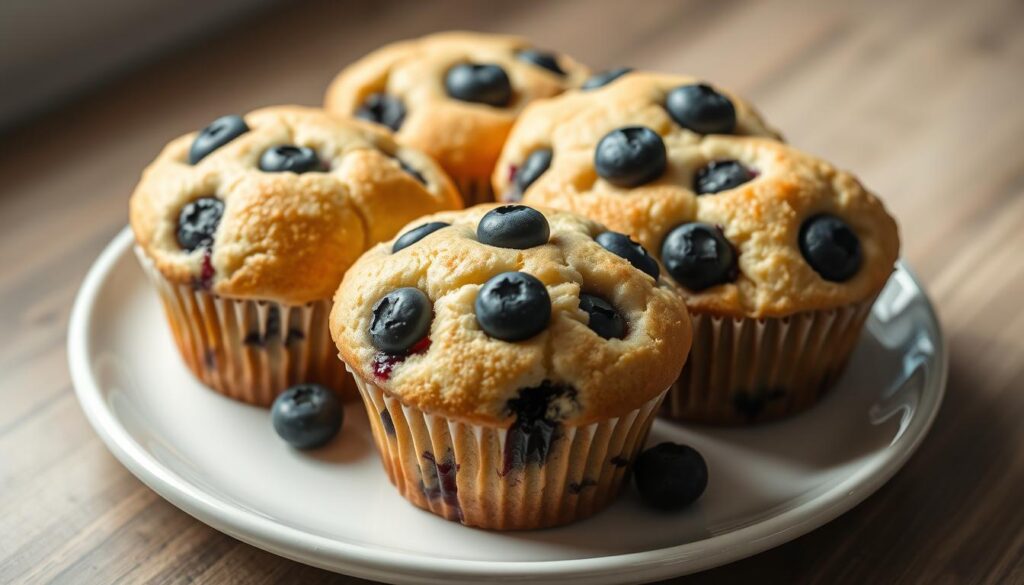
(276, 205)
(745, 225)
(524, 330)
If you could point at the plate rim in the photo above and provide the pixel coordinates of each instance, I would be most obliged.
(386, 565)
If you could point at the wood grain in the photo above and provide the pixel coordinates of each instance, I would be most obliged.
(921, 98)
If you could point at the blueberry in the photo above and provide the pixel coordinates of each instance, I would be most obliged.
(382, 109)
(217, 134)
(533, 167)
(701, 109)
(289, 158)
(721, 175)
(830, 247)
(307, 416)
(698, 256)
(479, 83)
(604, 78)
(513, 226)
(670, 476)
(537, 411)
(513, 306)
(604, 319)
(197, 222)
(630, 156)
(624, 246)
(541, 59)
(416, 234)
(400, 319)
(409, 169)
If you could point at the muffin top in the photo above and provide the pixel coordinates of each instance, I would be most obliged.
(453, 95)
(746, 225)
(278, 204)
(480, 314)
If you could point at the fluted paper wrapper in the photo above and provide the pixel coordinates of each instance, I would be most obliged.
(250, 350)
(458, 470)
(750, 370)
(475, 190)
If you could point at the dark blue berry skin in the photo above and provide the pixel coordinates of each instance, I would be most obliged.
(536, 424)
(217, 134)
(479, 83)
(513, 226)
(624, 246)
(630, 156)
(513, 306)
(541, 59)
(604, 319)
(413, 172)
(700, 108)
(400, 319)
(830, 247)
(307, 416)
(383, 109)
(533, 167)
(416, 234)
(721, 175)
(289, 158)
(604, 78)
(670, 476)
(698, 256)
(198, 221)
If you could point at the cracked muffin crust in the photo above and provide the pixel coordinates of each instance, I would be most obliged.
(453, 95)
(290, 198)
(461, 366)
(659, 156)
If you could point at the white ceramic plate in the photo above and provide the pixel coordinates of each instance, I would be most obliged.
(221, 461)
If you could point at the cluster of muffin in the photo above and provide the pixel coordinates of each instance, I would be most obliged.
(511, 357)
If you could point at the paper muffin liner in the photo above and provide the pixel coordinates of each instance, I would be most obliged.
(462, 471)
(250, 350)
(748, 370)
(475, 190)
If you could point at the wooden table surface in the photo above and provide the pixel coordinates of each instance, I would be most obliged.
(922, 99)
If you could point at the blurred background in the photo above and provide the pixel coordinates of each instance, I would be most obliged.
(920, 98)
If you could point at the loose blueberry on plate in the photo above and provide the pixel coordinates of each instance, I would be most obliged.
(604, 319)
(701, 109)
(604, 78)
(670, 476)
(479, 83)
(630, 156)
(400, 319)
(533, 167)
(307, 416)
(721, 175)
(513, 226)
(217, 134)
(830, 247)
(541, 59)
(698, 256)
(415, 174)
(513, 306)
(289, 158)
(382, 109)
(198, 221)
(624, 246)
(416, 234)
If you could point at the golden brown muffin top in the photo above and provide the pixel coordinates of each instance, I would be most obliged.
(278, 234)
(464, 136)
(776, 201)
(461, 369)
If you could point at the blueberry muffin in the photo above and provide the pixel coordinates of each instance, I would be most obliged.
(511, 361)
(454, 96)
(778, 254)
(247, 226)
